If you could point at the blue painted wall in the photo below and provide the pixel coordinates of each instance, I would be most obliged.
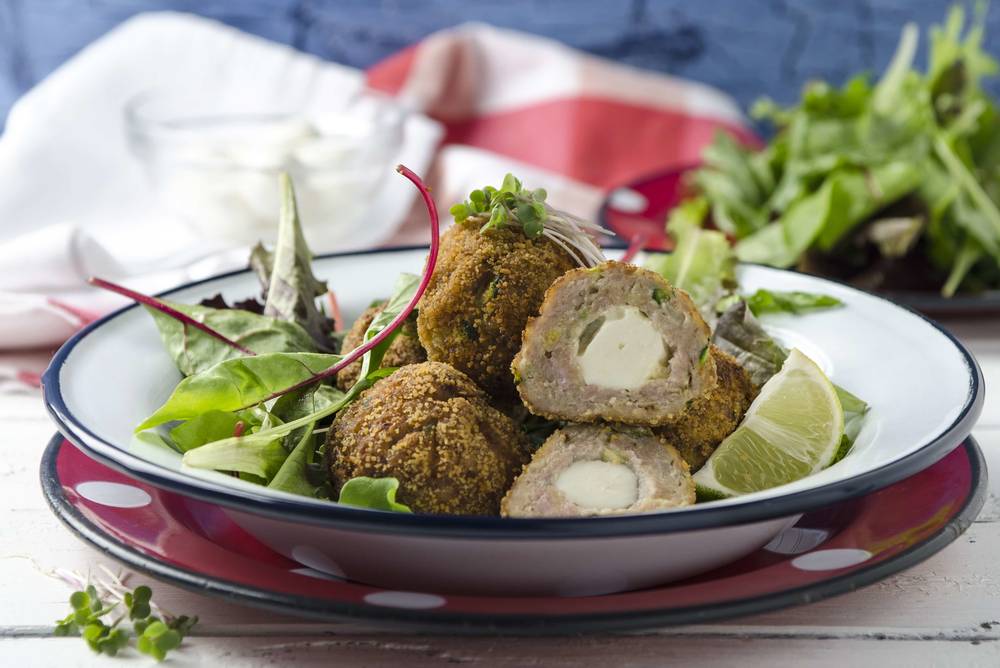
(746, 47)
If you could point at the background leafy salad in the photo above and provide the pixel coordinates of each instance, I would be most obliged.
(892, 185)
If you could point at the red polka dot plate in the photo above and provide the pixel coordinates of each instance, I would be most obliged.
(196, 545)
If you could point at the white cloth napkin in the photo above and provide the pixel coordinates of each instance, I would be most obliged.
(75, 202)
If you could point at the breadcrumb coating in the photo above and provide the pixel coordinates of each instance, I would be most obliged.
(405, 348)
(697, 432)
(430, 427)
(484, 289)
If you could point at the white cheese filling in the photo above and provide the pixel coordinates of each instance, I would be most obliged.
(624, 353)
(599, 485)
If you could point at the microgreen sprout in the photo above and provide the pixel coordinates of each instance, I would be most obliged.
(154, 636)
(512, 205)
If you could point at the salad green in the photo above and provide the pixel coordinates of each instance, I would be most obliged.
(255, 394)
(892, 185)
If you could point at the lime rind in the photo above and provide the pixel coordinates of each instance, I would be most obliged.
(794, 428)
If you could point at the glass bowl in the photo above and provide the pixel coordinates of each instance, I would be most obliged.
(216, 169)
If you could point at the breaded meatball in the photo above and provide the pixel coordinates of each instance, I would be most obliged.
(615, 343)
(697, 431)
(484, 288)
(430, 427)
(405, 348)
(600, 469)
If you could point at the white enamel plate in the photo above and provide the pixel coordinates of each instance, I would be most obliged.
(924, 388)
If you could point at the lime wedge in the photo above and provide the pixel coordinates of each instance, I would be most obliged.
(791, 430)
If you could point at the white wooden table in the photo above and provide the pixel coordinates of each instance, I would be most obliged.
(946, 611)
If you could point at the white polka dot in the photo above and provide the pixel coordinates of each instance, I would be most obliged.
(628, 200)
(831, 560)
(113, 494)
(797, 541)
(313, 573)
(316, 559)
(410, 600)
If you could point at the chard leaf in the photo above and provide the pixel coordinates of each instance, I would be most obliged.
(195, 351)
(702, 262)
(375, 493)
(287, 276)
(238, 383)
(261, 457)
(779, 301)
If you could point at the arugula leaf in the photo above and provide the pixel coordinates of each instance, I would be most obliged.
(375, 493)
(238, 383)
(779, 301)
(702, 263)
(287, 276)
(195, 351)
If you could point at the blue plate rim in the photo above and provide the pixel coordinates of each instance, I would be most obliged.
(476, 527)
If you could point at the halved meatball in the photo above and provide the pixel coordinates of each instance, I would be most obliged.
(616, 343)
(585, 470)
(404, 349)
(697, 432)
(431, 428)
(485, 287)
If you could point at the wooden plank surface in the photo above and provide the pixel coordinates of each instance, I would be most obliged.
(945, 611)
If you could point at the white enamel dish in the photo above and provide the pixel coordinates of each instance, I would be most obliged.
(924, 388)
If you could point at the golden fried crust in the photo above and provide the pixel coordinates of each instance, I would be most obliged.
(431, 428)
(697, 432)
(484, 289)
(405, 348)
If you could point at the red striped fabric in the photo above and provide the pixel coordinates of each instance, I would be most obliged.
(590, 120)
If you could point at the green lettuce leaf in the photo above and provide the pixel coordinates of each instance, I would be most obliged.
(195, 351)
(375, 493)
(238, 383)
(260, 457)
(702, 262)
(210, 426)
